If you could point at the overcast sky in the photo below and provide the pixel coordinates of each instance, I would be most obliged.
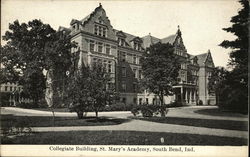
(201, 22)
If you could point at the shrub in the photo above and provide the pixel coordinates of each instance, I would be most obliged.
(16, 127)
(150, 110)
(175, 104)
(200, 103)
(24, 105)
(119, 107)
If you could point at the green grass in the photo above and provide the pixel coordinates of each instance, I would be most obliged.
(44, 121)
(207, 123)
(123, 138)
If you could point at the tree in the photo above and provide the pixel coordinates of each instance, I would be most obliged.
(216, 82)
(57, 54)
(32, 49)
(24, 55)
(88, 89)
(160, 69)
(237, 79)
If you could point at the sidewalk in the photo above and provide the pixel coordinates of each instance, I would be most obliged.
(138, 125)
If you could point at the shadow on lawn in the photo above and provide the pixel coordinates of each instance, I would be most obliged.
(42, 121)
(124, 138)
(207, 123)
(219, 112)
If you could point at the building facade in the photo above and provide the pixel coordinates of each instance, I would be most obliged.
(120, 52)
(11, 94)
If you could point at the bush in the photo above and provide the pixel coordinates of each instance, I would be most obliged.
(175, 104)
(24, 105)
(119, 107)
(22, 126)
(200, 103)
(150, 110)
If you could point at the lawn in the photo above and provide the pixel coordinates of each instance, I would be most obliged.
(207, 123)
(42, 121)
(123, 138)
(49, 109)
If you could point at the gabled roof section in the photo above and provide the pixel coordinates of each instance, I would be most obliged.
(202, 58)
(170, 39)
(87, 18)
(74, 21)
(121, 34)
(149, 40)
(137, 39)
(61, 28)
(128, 38)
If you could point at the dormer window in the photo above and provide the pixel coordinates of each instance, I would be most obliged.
(183, 66)
(75, 26)
(100, 21)
(135, 46)
(121, 41)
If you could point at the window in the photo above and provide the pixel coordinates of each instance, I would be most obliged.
(146, 100)
(100, 46)
(135, 73)
(209, 74)
(124, 100)
(91, 46)
(109, 67)
(140, 101)
(183, 66)
(100, 21)
(153, 101)
(96, 29)
(134, 87)
(123, 71)
(140, 75)
(178, 79)
(123, 87)
(108, 49)
(6, 88)
(123, 56)
(110, 86)
(134, 59)
(135, 45)
(10, 88)
(121, 41)
(135, 101)
(75, 26)
(105, 65)
(100, 30)
(94, 61)
(104, 32)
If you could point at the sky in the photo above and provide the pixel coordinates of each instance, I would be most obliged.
(201, 22)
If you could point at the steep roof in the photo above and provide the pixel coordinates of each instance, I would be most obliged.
(170, 39)
(202, 58)
(61, 28)
(128, 38)
(148, 40)
(84, 20)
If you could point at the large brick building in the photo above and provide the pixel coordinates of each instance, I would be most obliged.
(120, 52)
